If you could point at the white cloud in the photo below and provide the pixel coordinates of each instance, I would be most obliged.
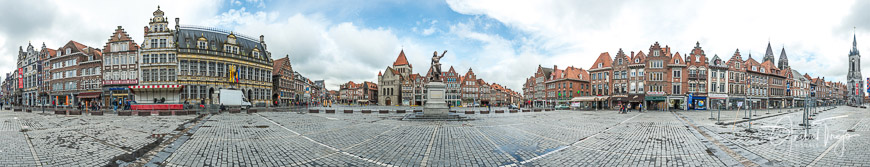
(428, 31)
(317, 47)
(89, 22)
(575, 32)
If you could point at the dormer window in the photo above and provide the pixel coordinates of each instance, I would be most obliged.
(202, 44)
(68, 51)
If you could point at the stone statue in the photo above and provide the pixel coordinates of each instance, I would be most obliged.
(436, 67)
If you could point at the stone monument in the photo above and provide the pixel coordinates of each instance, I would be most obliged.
(435, 107)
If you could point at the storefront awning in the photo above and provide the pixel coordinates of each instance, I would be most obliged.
(156, 87)
(88, 95)
(586, 98)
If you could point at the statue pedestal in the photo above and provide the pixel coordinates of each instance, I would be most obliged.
(435, 105)
(436, 108)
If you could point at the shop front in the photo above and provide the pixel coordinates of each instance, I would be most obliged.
(676, 102)
(586, 102)
(698, 103)
(634, 101)
(156, 97)
(717, 101)
(619, 100)
(655, 103)
(88, 99)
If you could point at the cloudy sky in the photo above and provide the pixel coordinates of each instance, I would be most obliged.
(502, 41)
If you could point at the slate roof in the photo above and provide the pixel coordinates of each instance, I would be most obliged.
(187, 37)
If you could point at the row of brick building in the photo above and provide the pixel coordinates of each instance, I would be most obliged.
(180, 65)
(661, 79)
(398, 86)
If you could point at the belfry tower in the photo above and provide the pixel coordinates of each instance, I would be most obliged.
(856, 83)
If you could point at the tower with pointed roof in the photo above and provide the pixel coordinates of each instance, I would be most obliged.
(783, 60)
(768, 55)
(856, 83)
(401, 64)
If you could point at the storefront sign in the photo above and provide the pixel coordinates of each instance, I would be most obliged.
(20, 78)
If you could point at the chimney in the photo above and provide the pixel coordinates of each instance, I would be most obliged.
(176, 23)
(261, 38)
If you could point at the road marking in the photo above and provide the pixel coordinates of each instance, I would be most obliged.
(742, 160)
(831, 147)
(29, 144)
(327, 146)
(496, 145)
(429, 148)
(572, 144)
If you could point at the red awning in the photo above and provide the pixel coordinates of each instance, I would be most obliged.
(88, 95)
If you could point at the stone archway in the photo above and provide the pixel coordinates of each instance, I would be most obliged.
(249, 95)
(211, 95)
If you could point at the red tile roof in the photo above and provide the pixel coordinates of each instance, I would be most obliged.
(401, 60)
(640, 56)
(678, 59)
(278, 64)
(603, 59)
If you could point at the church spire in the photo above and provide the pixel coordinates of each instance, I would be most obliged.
(768, 55)
(783, 59)
(854, 44)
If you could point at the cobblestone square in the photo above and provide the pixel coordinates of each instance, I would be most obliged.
(837, 137)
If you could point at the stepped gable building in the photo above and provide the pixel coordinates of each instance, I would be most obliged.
(120, 67)
(620, 78)
(737, 81)
(283, 89)
(657, 78)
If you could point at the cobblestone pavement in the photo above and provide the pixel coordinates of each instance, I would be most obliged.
(30, 139)
(838, 137)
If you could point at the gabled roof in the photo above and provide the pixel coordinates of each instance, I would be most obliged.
(750, 63)
(640, 56)
(603, 59)
(118, 36)
(677, 60)
(48, 52)
(401, 60)
(277, 65)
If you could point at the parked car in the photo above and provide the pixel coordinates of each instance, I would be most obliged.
(562, 107)
(513, 107)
